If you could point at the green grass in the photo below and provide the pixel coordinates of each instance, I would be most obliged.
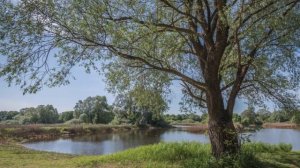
(17, 156)
(164, 155)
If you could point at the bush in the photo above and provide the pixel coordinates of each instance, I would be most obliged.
(10, 122)
(279, 116)
(245, 122)
(115, 121)
(84, 118)
(296, 118)
(66, 116)
(74, 121)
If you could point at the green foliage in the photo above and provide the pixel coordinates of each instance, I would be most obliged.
(263, 115)
(140, 106)
(248, 116)
(7, 115)
(84, 118)
(245, 122)
(204, 118)
(96, 109)
(66, 116)
(236, 118)
(10, 122)
(74, 121)
(279, 116)
(46, 114)
(296, 117)
(26, 115)
(136, 47)
(184, 118)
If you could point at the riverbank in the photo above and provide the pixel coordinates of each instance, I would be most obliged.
(175, 155)
(39, 131)
(281, 125)
(199, 127)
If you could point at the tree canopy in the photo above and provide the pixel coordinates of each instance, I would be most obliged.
(96, 110)
(45, 114)
(151, 37)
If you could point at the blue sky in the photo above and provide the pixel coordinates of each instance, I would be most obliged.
(63, 98)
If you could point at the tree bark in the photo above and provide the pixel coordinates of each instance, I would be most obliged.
(223, 137)
(222, 133)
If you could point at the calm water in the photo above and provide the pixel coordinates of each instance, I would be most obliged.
(113, 142)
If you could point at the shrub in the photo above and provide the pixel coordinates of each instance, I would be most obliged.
(245, 122)
(296, 118)
(84, 118)
(74, 121)
(10, 122)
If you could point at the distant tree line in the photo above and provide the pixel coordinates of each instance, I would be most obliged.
(185, 118)
(250, 117)
(45, 114)
(246, 118)
(130, 109)
(127, 109)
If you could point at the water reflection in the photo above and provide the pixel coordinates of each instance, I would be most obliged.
(113, 142)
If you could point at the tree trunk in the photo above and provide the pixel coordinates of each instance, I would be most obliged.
(222, 133)
(223, 137)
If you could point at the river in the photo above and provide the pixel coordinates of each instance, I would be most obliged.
(113, 142)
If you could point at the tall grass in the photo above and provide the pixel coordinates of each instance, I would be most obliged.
(162, 155)
(188, 155)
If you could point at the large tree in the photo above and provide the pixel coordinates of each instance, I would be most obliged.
(96, 109)
(217, 49)
(47, 114)
(140, 106)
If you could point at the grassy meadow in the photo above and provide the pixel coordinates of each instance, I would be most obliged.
(162, 155)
